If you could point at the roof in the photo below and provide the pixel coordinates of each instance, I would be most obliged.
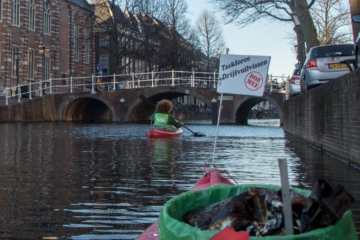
(83, 4)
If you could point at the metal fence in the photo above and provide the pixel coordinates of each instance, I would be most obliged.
(124, 81)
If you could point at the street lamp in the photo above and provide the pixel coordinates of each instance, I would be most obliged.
(296, 46)
(296, 19)
(122, 109)
(300, 38)
(17, 58)
(214, 116)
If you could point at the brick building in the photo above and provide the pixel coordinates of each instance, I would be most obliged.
(134, 42)
(53, 37)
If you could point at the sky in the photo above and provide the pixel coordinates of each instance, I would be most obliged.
(262, 38)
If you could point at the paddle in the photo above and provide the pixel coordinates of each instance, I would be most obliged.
(195, 133)
(145, 99)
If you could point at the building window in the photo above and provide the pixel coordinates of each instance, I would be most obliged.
(32, 15)
(76, 40)
(47, 19)
(123, 64)
(47, 68)
(31, 64)
(16, 12)
(87, 43)
(136, 69)
(123, 42)
(142, 66)
(104, 62)
(14, 49)
(104, 41)
(127, 65)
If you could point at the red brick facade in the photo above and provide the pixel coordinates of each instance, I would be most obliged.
(68, 42)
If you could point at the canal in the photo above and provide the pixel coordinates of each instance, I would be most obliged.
(107, 181)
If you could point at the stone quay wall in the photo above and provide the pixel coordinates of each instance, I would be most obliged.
(328, 117)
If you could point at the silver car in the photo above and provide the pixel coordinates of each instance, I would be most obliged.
(323, 64)
(356, 18)
(294, 81)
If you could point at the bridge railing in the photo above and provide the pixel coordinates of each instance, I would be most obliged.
(102, 82)
(277, 84)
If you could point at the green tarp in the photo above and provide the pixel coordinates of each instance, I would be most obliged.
(172, 227)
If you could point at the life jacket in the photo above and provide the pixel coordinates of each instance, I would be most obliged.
(161, 120)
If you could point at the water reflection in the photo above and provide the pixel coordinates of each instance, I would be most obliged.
(107, 181)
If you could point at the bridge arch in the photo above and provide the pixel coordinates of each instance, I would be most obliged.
(86, 108)
(243, 107)
(158, 94)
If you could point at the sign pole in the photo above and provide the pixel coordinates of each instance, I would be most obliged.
(285, 192)
(217, 128)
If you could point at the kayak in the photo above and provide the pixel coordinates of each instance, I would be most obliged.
(211, 177)
(161, 133)
(213, 187)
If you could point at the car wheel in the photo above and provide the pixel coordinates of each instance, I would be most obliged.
(358, 58)
(303, 86)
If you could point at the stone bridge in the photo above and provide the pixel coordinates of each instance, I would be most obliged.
(126, 106)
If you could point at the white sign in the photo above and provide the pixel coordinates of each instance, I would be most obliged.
(243, 74)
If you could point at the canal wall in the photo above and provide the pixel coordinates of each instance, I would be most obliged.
(328, 117)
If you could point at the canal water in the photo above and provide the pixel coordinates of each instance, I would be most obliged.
(107, 181)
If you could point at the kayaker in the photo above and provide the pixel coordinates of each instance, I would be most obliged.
(162, 118)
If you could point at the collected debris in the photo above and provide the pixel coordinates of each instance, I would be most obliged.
(259, 211)
(325, 206)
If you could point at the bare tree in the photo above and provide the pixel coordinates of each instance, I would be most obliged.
(164, 32)
(210, 36)
(179, 30)
(115, 29)
(148, 13)
(138, 32)
(153, 7)
(245, 12)
(332, 20)
(355, 9)
(193, 39)
(174, 16)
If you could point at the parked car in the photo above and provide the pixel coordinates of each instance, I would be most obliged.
(356, 18)
(294, 81)
(323, 63)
